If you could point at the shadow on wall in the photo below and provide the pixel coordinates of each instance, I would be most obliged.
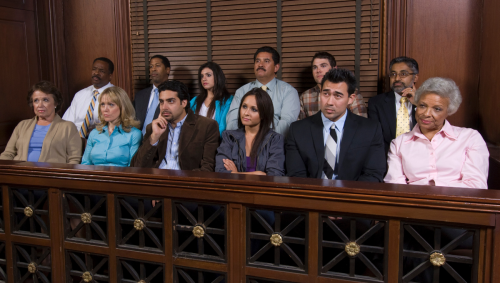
(187, 77)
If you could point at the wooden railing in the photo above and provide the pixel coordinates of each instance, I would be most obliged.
(64, 223)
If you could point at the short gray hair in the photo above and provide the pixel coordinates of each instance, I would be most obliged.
(443, 87)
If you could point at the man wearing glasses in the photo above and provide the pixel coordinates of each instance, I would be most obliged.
(394, 110)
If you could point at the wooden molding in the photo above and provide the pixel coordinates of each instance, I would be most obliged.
(123, 70)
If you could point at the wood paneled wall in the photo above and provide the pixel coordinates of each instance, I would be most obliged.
(489, 97)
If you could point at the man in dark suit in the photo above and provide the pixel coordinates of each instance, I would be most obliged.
(178, 139)
(334, 143)
(386, 107)
(146, 101)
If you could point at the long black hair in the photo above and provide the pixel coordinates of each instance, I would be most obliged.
(220, 91)
(266, 113)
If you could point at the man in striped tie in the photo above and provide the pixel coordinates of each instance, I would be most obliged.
(83, 110)
(334, 143)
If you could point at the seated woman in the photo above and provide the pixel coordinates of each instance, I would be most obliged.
(45, 137)
(214, 100)
(435, 152)
(253, 148)
(116, 138)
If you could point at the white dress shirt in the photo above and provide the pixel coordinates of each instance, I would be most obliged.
(78, 109)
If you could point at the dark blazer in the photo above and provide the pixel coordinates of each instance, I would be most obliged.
(382, 108)
(362, 156)
(198, 144)
(141, 102)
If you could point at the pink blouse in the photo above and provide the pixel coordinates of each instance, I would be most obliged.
(456, 157)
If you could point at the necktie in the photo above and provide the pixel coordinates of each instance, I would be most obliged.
(403, 119)
(264, 87)
(84, 130)
(329, 165)
(151, 111)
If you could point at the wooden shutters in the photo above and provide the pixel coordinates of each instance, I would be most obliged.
(237, 28)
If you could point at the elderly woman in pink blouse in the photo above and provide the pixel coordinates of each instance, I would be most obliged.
(435, 152)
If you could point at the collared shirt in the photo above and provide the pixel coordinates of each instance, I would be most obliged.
(339, 130)
(171, 159)
(309, 103)
(285, 101)
(408, 104)
(116, 149)
(455, 157)
(78, 109)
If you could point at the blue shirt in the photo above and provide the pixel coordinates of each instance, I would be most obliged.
(116, 149)
(171, 159)
(36, 142)
(339, 130)
(285, 99)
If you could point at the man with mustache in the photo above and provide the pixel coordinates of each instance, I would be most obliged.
(394, 110)
(285, 98)
(321, 63)
(178, 139)
(83, 110)
(146, 101)
(334, 143)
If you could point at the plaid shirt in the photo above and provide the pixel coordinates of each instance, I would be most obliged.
(309, 103)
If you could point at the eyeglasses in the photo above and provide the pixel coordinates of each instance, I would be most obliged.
(402, 74)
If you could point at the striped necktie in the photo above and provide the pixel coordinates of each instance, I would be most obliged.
(402, 119)
(329, 165)
(84, 131)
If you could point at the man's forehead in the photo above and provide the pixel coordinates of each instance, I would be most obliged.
(330, 86)
(264, 55)
(156, 61)
(168, 94)
(400, 66)
(319, 61)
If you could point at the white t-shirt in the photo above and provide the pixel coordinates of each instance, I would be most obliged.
(204, 111)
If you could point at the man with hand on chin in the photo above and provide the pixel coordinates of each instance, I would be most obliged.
(285, 98)
(83, 111)
(334, 143)
(178, 139)
(394, 110)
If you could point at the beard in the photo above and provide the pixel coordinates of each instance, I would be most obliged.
(399, 89)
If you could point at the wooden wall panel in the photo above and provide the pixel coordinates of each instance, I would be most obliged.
(89, 30)
(489, 98)
(444, 37)
(20, 67)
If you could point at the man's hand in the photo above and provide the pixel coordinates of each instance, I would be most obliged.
(229, 165)
(159, 126)
(410, 94)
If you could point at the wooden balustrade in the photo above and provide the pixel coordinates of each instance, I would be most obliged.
(65, 223)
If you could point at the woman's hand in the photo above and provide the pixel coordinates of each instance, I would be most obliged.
(229, 165)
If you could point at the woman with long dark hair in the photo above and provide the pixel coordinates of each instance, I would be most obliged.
(214, 100)
(253, 148)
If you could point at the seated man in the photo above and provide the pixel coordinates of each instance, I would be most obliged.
(178, 139)
(285, 98)
(321, 63)
(334, 143)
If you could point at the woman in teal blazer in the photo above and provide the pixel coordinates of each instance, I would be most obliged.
(214, 100)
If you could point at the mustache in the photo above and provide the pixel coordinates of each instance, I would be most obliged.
(261, 68)
(163, 113)
(97, 77)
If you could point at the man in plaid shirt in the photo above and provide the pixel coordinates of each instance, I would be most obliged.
(321, 63)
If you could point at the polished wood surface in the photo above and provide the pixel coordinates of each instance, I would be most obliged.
(398, 204)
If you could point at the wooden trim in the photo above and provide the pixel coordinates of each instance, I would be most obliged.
(395, 30)
(495, 265)
(112, 237)
(56, 233)
(393, 246)
(8, 243)
(123, 70)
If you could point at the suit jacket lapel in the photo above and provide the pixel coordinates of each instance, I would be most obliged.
(413, 120)
(350, 128)
(142, 104)
(318, 140)
(390, 111)
(187, 131)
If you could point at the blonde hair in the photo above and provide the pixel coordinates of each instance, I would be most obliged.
(127, 112)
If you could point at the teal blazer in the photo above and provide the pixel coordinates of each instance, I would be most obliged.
(220, 112)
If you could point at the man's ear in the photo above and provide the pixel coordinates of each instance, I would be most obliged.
(351, 98)
(276, 68)
(184, 103)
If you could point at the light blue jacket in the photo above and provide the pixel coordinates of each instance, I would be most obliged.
(220, 112)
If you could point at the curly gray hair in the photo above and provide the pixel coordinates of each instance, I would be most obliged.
(443, 87)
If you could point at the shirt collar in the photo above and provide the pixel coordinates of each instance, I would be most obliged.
(446, 131)
(180, 123)
(154, 87)
(270, 85)
(316, 88)
(119, 128)
(100, 90)
(339, 125)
